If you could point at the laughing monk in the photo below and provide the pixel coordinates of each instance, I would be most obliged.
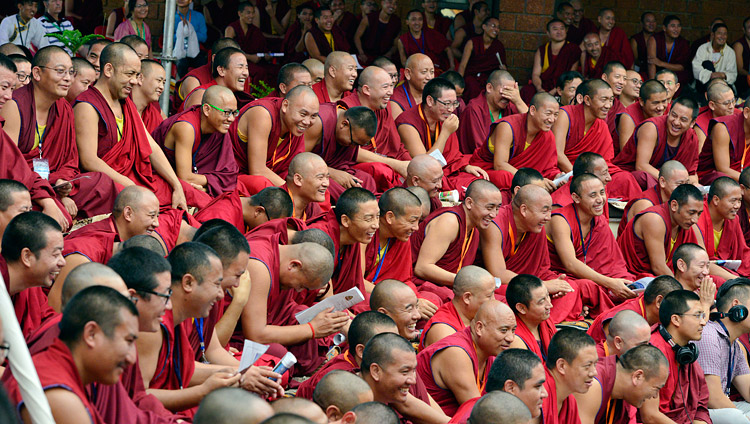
(339, 73)
(197, 143)
(228, 69)
(307, 182)
(652, 102)
(146, 95)
(724, 150)
(112, 139)
(418, 71)
(501, 156)
(268, 133)
(451, 368)
(448, 240)
(582, 128)
(431, 127)
(530, 302)
(39, 116)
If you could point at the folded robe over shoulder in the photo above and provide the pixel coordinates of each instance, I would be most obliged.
(151, 116)
(391, 262)
(94, 241)
(95, 193)
(617, 411)
(732, 243)
(540, 154)
(653, 195)
(605, 256)
(546, 330)
(226, 206)
(170, 222)
(339, 40)
(30, 305)
(736, 128)
(446, 314)
(619, 44)
(474, 126)
(321, 91)
(595, 69)
(211, 153)
(129, 156)
(568, 412)
(634, 248)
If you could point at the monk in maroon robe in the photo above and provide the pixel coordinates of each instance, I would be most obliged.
(338, 78)
(671, 51)
(586, 163)
(579, 25)
(138, 159)
(421, 39)
(377, 33)
(307, 185)
(719, 97)
(502, 154)
(196, 77)
(582, 129)
(652, 103)
(500, 99)
(535, 330)
(615, 38)
(324, 36)
(152, 116)
(595, 56)
(268, 133)
(200, 134)
(551, 60)
(651, 237)
(418, 71)
(146, 94)
(724, 152)
(251, 41)
(91, 193)
(482, 55)
(228, 70)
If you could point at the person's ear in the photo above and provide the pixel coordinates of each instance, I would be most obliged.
(637, 378)
(282, 88)
(521, 308)
(297, 178)
(90, 332)
(349, 418)
(27, 257)
(127, 213)
(681, 265)
(333, 413)
(390, 217)
(345, 221)
(510, 387)
(188, 283)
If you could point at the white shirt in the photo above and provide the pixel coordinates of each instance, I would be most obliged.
(32, 33)
(724, 61)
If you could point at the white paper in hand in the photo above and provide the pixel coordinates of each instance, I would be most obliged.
(251, 351)
(439, 156)
(338, 302)
(356, 60)
(562, 179)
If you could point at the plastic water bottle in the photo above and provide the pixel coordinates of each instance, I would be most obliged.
(285, 364)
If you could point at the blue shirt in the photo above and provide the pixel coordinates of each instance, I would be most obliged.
(198, 22)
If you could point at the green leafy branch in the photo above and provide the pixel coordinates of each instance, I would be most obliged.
(261, 90)
(73, 40)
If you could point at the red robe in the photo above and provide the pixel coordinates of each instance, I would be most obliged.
(253, 41)
(95, 193)
(531, 256)
(387, 142)
(546, 330)
(742, 215)
(568, 413)
(30, 304)
(686, 392)
(280, 151)
(653, 195)
(176, 362)
(732, 244)
(227, 206)
(595, 69)
(94, 241)
(431, 43)
(170, 222)
(597, 140)
(635, 112)
(201, 73)
(446, 314)
(464, 411)
(577, 33)
(392, 262)
(344, 361)
(596, 331)
(211, 153)
(339, 40)
(57, 369)
(539, 154)
(203, 329)
(314, 211)
(379, 37)
(151, 116)
(553, 66)
(321, 91)
(474, 126)
(402, 96)
(617, 108)
(343, 158)
(131, 158)
(616, 411)
(737, 147)
(462, 251)
(481, 64)
(288, 45)
(679, 54)
(443, 396)
(605, 258)
(634, 248)
(686, 152)
(619, 44)
(454, 176)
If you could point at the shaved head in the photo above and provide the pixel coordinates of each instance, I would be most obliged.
(480, 188)
(304, 164)
(470, 278)
(375, 413)
(630, 328)
(422, 164)
(414, 61)
(717, 89)
(317, 261)
(45, 56)
(116, 55)
(146, 241)
(220, 407)
(670, 167)
(300, 93)
(302, 407)
(397, 200)
(423, 195)
(91, 274)
(336, 59)
(493, 311)
(341, 389)
(371, 74)
(133, 196)
(315, 67)
(542, 98)
(383, 293)
(593, 86)
(529, 193)
(499, 76)
(217, 95)
(499, 407)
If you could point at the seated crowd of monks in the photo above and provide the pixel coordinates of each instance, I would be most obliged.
(142, 251)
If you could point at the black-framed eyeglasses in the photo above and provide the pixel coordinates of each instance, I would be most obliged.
(22, 77)
(60, 71)
(4, 350)
(700, 315)
(351, 137)
(448, 104)
(166, 296)
(636, 82)
(265, 211)
(226, 113)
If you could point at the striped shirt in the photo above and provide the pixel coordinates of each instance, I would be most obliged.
(50, 25)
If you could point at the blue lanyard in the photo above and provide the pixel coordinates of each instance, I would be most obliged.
(338, 262)
(176, 357)
(199, 330)
(407, 93)
(669, 56)
(580, 231)
(730, 369)
(421, 38)
(382, 259)
(41, 138)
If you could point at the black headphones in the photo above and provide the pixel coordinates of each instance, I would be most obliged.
(736, 313)
(685, 355)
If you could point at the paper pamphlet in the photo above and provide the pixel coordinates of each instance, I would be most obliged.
(562, 179)
(339, 302)
(251, 351)
(439, 156)
(732, 265)
(639, 286)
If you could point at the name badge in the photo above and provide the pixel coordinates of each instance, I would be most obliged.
(41, 167)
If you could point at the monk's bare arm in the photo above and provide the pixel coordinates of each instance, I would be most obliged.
(502, 139)
(363, 24)
(312, 48)
(216, 354)
(12, 116)
(86, 121)
(438, 332)
(456, 372)
(228, 322)
(561, 235)
(55, 292)
(257, 126)
(458, 39)
(161, 165)
(419, 412)
(194, 99)
(396, 109)
(401, 51)
(701, 137)
(651, 57)
(314, 135)
(491, 241)
(638, 207)
(398, 165)
(650, 228)
(183, 135)
(66, 407)
(720, 146)
(468, 48)
(650, 413)
(191, 83)
(625, 128)
(589, 403)
(647, 137)
(560, 130)
(536, 72)
(738, 49)
(451, 58)
(412, 141)
(439, 234)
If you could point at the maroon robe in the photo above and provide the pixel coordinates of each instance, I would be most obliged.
(344, 361)
(686, 392)
(442, 24)
(597, 139)
(176, 362)
(641, 58)
(30, 304)
(151, 116)
(131, 157)
(57, 370)
(605, 258)
(339, 40)
(321, 91)
(546, 330)
(228, 207)
(431, 43)
(593, 69)
(94, 241)
(732, 245)
(567, 414)
(251, 41)
(446, 314)
(539, 154)
(454, 176)
(387, 142)
(679, 54)
(653, 195)
(635, 112)
(474, 126)
(170, 222)
(443, 396)
(203, 329)
(687, 149)
(634, 248)
(349, 23)
(201, 73)
(617, 108)
(742, 215)
(95, 192)
(737, 147)
(596, 330)
(289, 44)
(212, 154)
(562, 62)
(617, 411)
(743, 83)
(402, 96)
(391, 262)
(379, 37)
(577, 33)
(461, 252)
(619, 44)
(481, 64)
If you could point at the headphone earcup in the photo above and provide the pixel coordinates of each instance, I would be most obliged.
(738, 313)
(686, 355)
